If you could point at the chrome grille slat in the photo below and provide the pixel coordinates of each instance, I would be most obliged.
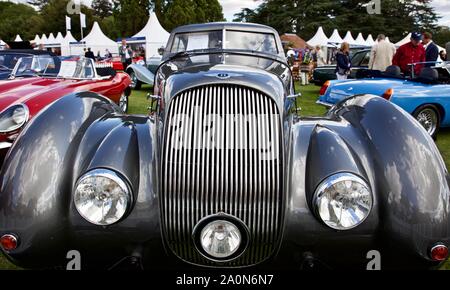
(222, 154)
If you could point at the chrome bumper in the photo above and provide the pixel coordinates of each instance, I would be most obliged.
(324, 104)
(5, 145)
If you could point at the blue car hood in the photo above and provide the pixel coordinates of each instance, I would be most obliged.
(339, 90)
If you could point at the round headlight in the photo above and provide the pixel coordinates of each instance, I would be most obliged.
(343, 201)
(102, 197)
(13, 118)
(19, 115)
(220, 239)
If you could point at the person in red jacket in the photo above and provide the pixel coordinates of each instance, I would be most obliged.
(412, 52)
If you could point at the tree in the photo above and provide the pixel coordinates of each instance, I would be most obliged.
(174, 13)
(38, 3)
(102, 8)
(17, 19)
(130, 15)
(305, 16)
(53, 14)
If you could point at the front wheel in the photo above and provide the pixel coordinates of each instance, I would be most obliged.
(428, 116)
(123, 103)
(135, 83)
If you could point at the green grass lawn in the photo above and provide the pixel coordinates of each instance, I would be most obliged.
(139, 104)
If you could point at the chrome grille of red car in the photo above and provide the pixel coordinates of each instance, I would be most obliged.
(222, 153)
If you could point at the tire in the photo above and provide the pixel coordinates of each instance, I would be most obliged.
(430, 118)
(123, 103)
(135, 83)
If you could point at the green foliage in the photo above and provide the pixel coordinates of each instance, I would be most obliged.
(304, 16)
(174, 13)
(102, 8)
(130, 16)
(17, 19)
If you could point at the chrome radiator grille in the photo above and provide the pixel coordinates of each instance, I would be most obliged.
(222, 154)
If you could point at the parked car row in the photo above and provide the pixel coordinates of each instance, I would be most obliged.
(223, 173)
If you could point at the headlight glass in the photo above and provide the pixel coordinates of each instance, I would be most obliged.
(343, 201)
(102, 197)
(13, 118)
(220, 239)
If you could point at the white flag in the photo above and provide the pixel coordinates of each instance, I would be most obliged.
(68, 23)
(83, 20)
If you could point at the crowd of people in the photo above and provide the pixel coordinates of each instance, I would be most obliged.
(411, 57)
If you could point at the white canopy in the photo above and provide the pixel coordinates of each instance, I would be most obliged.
(97, 41)
(18, 38)
(65, 45)
(2, 43)
(51, 39)
(404, 40)
(335, 37)
(349, 38)
(155, 36)
(37, 40)
(370, 41)
(319, 38)
(44, 39)
(387, 39)
(59, 38)
(360, 40)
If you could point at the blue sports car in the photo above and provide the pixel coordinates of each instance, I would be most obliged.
(426, 97)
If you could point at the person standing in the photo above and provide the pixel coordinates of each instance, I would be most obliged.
(410, 53)
(344, 65)
(381, 54)
(89, 54)
(126, 54)
(320, 58)
(431, 49)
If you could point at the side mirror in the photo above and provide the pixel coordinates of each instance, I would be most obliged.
(161, 51)
(154, 103)
(292, 104)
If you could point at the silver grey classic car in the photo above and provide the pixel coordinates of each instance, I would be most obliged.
(224, 172)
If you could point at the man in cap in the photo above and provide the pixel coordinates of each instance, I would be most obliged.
(409, 53)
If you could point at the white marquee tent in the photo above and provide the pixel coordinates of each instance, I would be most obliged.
(65, 45)
(335, 38)
(349, 38)
(97, 41)
(51, 41)
(370, 41)
(2, 44)
(360, 40)
(404, 40)
(319, 38)
(59, 38)
(44, 39)
(388, 40)
(154, 34)
(18, 38)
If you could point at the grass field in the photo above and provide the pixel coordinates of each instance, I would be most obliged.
(138, 105)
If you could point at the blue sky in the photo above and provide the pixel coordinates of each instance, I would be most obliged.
(230, 7)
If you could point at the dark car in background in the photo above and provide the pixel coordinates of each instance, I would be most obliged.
(224, 172)
(360, 61)
(10, 57)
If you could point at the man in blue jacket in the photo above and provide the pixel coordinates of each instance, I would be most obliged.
(432, 51)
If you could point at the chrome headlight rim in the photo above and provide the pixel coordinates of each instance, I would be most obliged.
(17, 126)
(240, 225)
(331, 181)
(116, 177)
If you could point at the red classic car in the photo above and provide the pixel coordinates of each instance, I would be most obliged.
(36, 83)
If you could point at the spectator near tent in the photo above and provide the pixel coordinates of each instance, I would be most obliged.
(431, 49)
(344, 65)
(381, 54)
(410, 53)
(126, 54)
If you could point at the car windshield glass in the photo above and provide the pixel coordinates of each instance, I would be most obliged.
(358, 58)
(235, 40)
(9, 60)
(254, 41)
(73, 68)
(196, 41)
